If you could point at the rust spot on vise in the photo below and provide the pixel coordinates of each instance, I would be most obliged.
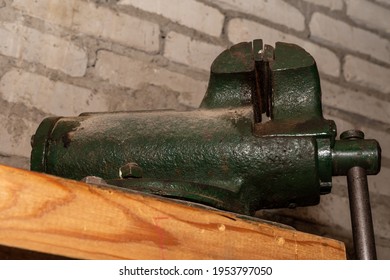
(67, 139)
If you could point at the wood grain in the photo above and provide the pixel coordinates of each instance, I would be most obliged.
(73, 219)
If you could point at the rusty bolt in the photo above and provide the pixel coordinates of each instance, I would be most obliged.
(130, 170)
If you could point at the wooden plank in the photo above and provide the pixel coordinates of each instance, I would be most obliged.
(70, 218)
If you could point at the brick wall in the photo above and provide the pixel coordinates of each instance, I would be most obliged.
(66, 57)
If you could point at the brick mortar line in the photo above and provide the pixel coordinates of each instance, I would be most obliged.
(342, 52)
(242, 15)
(348, 20)
(298, 4)
(89, 77)
(92, 37)
(99, 83)
(196, 34)
(339, 15)
(337, 50)
(323, 8)
(357, 118)
(159, 60)
(89, 80)
(164, 21)
(342, 82)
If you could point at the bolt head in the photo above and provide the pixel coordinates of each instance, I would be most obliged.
(130, 170)
(352, 134)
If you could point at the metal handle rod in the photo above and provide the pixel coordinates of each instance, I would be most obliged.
(359, 202)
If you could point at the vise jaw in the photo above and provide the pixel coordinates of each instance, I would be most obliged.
(258, 140)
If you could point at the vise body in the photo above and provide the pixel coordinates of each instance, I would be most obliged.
(258, 140)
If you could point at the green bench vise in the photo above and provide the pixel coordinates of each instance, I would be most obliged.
(258, 140)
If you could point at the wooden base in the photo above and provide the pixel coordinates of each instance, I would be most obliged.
(69, 218)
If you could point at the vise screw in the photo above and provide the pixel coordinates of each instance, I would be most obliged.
(258, 140)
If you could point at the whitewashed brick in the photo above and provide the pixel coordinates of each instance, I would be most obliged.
(331, 4)
(29, 44)
(369, 14)
(189, 13)
(55, 11)
(136, 74)
(341, 34)
(244, 30)
(16, 133)
(367, 74)
(101, 22)
(183, 49)
(276, 11)
(57, 98)
(355, 101)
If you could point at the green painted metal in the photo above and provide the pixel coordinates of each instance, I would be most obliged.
(224, 154)
(357, 152)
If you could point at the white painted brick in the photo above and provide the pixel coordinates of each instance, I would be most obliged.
(136, 74)
(101, 22)
(58, 98)
(355, 101)
(189, 13)
(184, 49)
(341, 34)
(367, 74)
(276, 11)
(369, 14)
(331, 4)
(29, 44)
(240, 30)
(16, 133)
(54, 11)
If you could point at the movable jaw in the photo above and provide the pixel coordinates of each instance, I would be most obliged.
(258, 140)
